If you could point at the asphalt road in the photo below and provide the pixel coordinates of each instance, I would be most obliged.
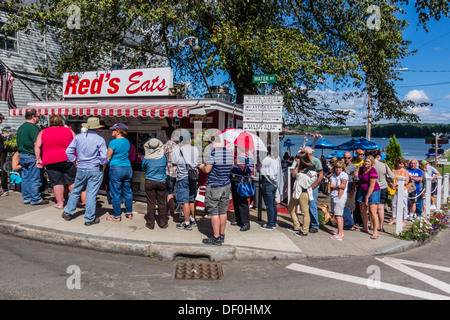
(41, 271)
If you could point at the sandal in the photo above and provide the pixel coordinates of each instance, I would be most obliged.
(373, 237)
(335, 237)
(113, 219)
(129, 216)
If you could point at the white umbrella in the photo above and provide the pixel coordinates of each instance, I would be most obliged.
(242, 138)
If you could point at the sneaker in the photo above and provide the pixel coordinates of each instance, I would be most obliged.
(41, 203)
(313, 230)
(4, 194)
(266, 227)
(300, 234)
(193, 222)
(184, 226)
(66, 216)
(222, 238)
(292, 230)
(90, 223)
(212, 241)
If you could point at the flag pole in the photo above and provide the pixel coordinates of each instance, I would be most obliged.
(17, 77)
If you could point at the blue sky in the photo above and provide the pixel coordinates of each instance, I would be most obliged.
(419, 82)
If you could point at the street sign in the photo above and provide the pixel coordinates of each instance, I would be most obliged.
(264, 78)
(263, 126)
(252, 108)
(271, 100)
(263, 113)
(263, 117)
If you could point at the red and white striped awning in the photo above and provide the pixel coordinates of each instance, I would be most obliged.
(153, 110)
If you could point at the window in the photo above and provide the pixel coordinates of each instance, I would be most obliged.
(8, 41)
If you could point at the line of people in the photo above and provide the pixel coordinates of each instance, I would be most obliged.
(362, 185)
(77, 165)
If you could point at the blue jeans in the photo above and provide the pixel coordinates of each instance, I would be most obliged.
(91, 179)
(31, 179)
(314, 215)
(268, 193)
(120, 186)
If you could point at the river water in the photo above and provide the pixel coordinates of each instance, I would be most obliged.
(411, 148)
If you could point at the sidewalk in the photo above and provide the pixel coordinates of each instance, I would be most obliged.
(44, 223)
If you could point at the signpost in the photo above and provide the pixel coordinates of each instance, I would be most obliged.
(263, 113)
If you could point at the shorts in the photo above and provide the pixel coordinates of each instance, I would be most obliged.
(434, 188)
(170, 185)
(373, 199)
(217, 200)
(61, 173)
(338, 205)
(186, 191)
(383, 195)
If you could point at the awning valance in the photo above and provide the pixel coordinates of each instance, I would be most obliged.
(113, 110)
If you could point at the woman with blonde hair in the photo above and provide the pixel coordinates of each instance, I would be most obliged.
(337, 189)
(50, 149)
(400, 171)
(305, 175)
(368, 194)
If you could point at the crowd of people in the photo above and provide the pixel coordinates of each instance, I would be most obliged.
(364, 183)
(78, 164)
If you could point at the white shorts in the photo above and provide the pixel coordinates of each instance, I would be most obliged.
(338, 205)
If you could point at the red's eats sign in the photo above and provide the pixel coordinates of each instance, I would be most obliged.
(118, 83)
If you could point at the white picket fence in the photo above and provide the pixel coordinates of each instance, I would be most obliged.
(441, 197)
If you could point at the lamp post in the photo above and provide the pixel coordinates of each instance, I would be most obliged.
(369, 121)
(193, 48)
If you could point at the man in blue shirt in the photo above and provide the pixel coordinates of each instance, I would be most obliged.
(218, 187)
(415, 198)
(90, 159)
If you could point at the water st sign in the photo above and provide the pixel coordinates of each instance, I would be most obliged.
(264, 78)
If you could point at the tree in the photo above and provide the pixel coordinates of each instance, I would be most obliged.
(303, 42)
(393, 151)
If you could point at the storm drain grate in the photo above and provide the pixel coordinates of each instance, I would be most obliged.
(198, 271)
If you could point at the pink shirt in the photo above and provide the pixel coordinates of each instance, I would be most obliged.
(364, 179)
(55, 141)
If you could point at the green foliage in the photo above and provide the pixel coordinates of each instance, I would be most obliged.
(393, 151)
(305, 43)
(425, 228)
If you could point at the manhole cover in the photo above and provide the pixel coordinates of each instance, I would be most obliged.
(198, 271)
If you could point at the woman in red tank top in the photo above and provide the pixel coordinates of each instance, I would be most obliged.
(50, 149)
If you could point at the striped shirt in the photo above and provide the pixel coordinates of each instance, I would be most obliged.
(222, 161)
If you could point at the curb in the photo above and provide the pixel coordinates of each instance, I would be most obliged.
(144, 248)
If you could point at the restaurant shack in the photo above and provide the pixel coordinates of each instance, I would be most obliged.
(146, 100)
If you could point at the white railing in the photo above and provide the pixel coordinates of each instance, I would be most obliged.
(441, 197)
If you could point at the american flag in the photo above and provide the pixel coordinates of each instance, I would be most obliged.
(6, 87)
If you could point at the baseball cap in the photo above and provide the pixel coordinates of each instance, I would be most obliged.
(120, 126)
(423, 162)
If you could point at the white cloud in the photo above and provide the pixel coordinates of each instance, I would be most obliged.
(417, 96)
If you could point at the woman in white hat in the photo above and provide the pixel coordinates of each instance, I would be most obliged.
(154, 165)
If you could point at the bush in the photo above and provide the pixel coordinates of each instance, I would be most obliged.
(424, 228)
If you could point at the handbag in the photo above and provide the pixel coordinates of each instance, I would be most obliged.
(246, 188)
(192, 172)
(391, 191)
